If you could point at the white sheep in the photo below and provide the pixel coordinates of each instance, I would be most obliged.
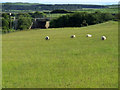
(47, 38)
(88, 35)
(103, 38)
(73, 36)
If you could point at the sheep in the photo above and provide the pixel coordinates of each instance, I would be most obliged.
(103, 38)
(73, 36)
(88, 35)
(47, 38)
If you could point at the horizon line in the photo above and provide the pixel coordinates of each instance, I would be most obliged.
(96, 3)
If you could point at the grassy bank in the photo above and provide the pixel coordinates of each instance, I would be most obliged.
(31, 61)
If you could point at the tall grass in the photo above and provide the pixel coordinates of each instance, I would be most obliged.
(63, 62)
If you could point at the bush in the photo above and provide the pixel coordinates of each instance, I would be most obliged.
(106, 16)
(24, 23)
(5, 24)
(38, 14)
(4, 31)
(5, 15)
(80, 19)
(60, 11)
(62, 21)
(22, 15)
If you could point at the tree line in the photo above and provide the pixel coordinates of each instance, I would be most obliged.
(77, 19)
(24, 20)
(80, 19)
(40, 7)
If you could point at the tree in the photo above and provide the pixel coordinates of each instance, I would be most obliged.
(106, 16)
(38, 14)
(84, 23)
(22, 15)
(117, 16)
(24, 23)
(60, 11)
(62, 21)
(81, 19)
(5, 24)
(5, 15)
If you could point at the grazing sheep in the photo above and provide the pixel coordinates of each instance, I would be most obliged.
(47, 38)
(73, 36)
(103, 38)
(88, 35)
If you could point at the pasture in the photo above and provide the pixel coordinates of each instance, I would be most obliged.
(30, 61)
(103, 10)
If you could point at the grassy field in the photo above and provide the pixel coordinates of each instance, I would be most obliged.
(53, 16)
(103, 10)
(63, 62)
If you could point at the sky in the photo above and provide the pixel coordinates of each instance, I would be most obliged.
(104, 2)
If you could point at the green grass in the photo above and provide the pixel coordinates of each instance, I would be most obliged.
(53, 16)
(31, 61)
(103, 10)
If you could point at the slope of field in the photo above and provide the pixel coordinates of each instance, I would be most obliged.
(103, 10)
(31, 61)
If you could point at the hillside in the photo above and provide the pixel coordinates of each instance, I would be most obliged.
(40, 7)
(31, 61)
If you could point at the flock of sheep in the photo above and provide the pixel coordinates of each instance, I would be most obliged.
(73, 36)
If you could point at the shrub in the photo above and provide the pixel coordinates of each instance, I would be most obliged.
(60, 11)
(38, 14)
(80, 19)
(62, 21)
(5, 15)
(24, 23)
(5, 24)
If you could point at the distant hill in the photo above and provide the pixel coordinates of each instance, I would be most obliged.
(40, 7)
(113, 6)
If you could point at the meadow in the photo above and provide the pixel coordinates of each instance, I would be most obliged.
(103, 10)
(30, 61)
(53, 16)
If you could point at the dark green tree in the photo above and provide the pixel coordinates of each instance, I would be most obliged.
(60, 11)
(5, 24)
(38, 14)
(5, 15)
(24, 23)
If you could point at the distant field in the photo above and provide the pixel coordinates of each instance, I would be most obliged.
(104, 10)
(31, 61)
(53, 16)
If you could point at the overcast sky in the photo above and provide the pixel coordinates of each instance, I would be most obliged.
(66, 1)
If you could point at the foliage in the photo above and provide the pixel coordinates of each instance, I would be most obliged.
(40, 7)
(117, 16)
(23, 15)
(5, 15)
(5, 24)
(63, 21)
(84, 23)
(78, 19)
(38, 14)
(24, 22)
(60, 11)
(106, 16)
